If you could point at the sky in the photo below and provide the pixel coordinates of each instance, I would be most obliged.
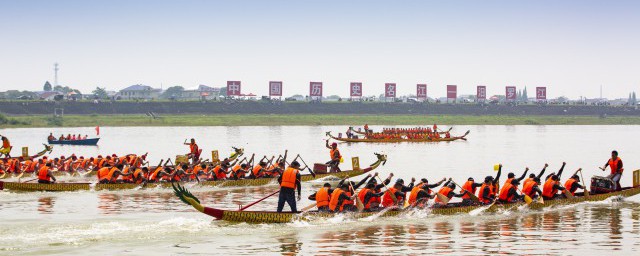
(571, 47)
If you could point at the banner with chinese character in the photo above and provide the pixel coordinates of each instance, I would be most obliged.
(390, 90)
(315, 89)
(233, 88)
(510, 93)
(452, 91)
(275, 88)
(541, 93)
(355, 89)
(421, 91)
(481, 93)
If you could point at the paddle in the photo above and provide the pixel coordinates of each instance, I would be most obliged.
(359, 203)
(586, 192)
(29, 180)
(473, 197)
(307, 166)
(527, 198)
(308, 207)
(443, 198)
(393, 196)
(252, 204)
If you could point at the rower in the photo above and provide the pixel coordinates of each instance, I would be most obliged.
(448, 191)
(51, 137)
(322, 198)
(103, 173)
(532, 176)
(509, 193)
(180, 173)
(487, 193)
(422, 192)
(398, 190)
(6, 147)
(139, 176)
(339, 198)
(194, 152)
(470, 186)
(114, 173)
(532, 188)
(290, 181)
(334, 153)
(573, 183)
(615, 164)
(349, 205)
(511, 176)
(551, 187)
(259, 170)
(45, 176)
(368, 196)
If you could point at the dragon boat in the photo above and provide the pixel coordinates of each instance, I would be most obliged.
(5, 175)
(17, 186)
(237, 153)
(397, 140)
(450, 209)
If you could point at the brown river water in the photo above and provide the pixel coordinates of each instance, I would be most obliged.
(154, 222)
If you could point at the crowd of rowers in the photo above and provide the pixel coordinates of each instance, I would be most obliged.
(134, 169)
(416, 133)
(68, 137)
(347, 197)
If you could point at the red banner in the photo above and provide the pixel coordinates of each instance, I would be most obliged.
(452, 91)
(315, 89)
(510, 93)
(541, 93)
(275, 88)
(390, 90)
(421, 91)
(233, 88)
(355, 89)
(481, 93)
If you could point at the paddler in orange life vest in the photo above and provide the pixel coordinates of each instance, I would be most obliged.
(573, 183)
(322, 198)
(194, 151)
(532, 176)
(448, 191)
(615, 164)
(290, 181)
(487, 193)
(532, 188)
(511, 176)
(509, 193)
(552, 185)
(335, 156)
(374, 193)
(340, 198)
(422, 192)
(399, 190)
(470, 186)
(44, 174)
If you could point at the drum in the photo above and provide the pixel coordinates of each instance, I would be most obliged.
(320, 168)
(601, 185)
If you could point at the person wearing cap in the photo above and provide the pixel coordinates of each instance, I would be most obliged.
(533, 175)
(615, 164)
(509, 193)
(422, 192)
(448, 191)
(573, 183)
(470, 186)
(349, 205)
(551, 187)
(369, 194)
(511, 176)
(194, 151)
(376, 201)
(290, 181)
(398, 191)
(322, 197)
(334, 153)
(487, 192)
(339, 199)
(532, 188)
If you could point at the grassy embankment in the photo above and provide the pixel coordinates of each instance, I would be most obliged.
(267, 120)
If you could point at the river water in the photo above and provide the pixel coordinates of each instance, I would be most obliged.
(153, 221)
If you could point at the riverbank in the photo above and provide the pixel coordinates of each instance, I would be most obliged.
(297, 119)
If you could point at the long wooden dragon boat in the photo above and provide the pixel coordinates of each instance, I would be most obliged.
(17, 186)
(364, 133)
(47, 149)
(237, 153)
(463, 137)
(286, 217)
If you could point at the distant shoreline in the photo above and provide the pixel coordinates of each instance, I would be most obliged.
(137, 120)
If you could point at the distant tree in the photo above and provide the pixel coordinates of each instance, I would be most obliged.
(62, 89)
(333, 97)
(100, 93)
(47, 87)
(173, 92)
(519, 95)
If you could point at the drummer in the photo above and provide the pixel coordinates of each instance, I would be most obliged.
(6, 147)
(615, 164)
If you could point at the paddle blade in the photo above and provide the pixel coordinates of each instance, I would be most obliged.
(406, 204)
(308, 207)
(359, 204)
(567, 193)
(586, 192)
(527, 199)
(442, 198)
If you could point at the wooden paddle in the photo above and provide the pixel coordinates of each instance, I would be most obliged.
(527, 198)
(359, 203)
(307, 166)
(252, 204)
(443, 198)
(567, 193)
(473, 197)
(29, 180)
(393, 196)
(586, 191)
(308, 207)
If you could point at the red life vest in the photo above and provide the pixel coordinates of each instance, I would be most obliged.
(322, 197)
(387, 200)
(548, 190)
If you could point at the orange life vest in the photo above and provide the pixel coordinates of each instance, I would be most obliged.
(548, 190)
(444, 191)
(468, 186)
(568, 185)
(387, 200)
(112, 177)
(362, 194)
(103, 173)
(482, 188)
(193, 148)
(43, 173)
(126, 170)
(504, 193)
(414, 194)
(154, 175)
(613, 164)
(289, 178)
(137, 176)
(528, 188)
(322, 197)
(333, 203)
(333, 153)
(256, 171)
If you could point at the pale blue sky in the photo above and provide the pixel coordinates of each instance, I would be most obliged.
(570, 46)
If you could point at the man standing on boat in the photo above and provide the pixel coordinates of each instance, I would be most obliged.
(290, 180)
(6, 147)
(194, 151)
(335, 156)
(615, 163)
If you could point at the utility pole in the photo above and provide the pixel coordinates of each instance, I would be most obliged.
(55, 71)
